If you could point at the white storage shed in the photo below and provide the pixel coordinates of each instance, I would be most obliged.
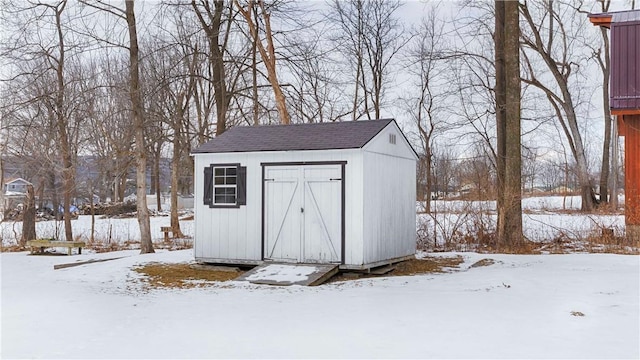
(337, 193)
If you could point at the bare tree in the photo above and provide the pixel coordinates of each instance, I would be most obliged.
(601, 55)
(217, 28)
(111, 135)
(426, 100)
(137, 113)
(3, 147)
(146, 246)
(169, 71)
(531, 168)
(371, 35)
(509, 157)
(268, 54)
(444, 170)
(604, 62)
(61, 120)
(551, 41)
(46, 55)
(476, 174)
(315, 94)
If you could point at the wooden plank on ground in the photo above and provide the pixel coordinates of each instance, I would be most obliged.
(68, 265)
(54, 243)
(382, 270)
(215, 267)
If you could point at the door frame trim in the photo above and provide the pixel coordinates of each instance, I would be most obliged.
(342, 195)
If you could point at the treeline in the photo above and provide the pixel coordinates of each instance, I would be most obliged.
(130, 83)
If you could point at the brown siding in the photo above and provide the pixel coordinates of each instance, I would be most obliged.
(625, 61)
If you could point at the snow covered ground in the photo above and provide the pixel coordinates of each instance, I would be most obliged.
(533, 306)
(522, 306)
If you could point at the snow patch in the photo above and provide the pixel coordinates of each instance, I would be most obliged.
(282, 273)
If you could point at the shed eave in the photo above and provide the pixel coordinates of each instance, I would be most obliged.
(193, 153)
(635, 111)
(603, 20)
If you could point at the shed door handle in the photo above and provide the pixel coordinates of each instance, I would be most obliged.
(301, 210)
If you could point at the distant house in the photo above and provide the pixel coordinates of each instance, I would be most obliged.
(15, 190)
(16, 186)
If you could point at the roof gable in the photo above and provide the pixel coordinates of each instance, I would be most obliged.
(318, 136)
(19, 181)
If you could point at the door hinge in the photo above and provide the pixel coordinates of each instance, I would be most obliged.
(334, 179)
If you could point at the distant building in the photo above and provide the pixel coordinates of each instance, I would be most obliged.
(16, 186)
(15, 190)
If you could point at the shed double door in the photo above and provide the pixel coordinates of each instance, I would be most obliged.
(303, 213)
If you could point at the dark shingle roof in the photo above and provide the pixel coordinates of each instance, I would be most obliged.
(322, 136)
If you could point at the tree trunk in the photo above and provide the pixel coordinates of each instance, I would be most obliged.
(122, 187)
(175, 223)
(254, 81)
(429, 185)
(55, 201)
(29, 217)
(2, 209)
(219, 76)
(606, 146)
(175, 165)
(500, 98)
(216, 59)
(61, 124)
(268, 55)
(614, 166)
(92, 208)
(146, 245)
(156, 180)
(510, 230)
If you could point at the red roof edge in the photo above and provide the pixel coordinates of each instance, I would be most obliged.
(603, 19)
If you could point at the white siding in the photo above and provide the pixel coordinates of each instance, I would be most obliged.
(380, 144)
(236, 233)
(389, 197)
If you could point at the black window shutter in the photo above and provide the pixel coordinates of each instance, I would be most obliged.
(242, 185)
(208, 185)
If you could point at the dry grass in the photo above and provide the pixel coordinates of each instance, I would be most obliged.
(182, 276)
(426, 265)
(12, 248)
(187, 276)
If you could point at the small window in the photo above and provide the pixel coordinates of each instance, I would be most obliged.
(225, 185)
(392, 138)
